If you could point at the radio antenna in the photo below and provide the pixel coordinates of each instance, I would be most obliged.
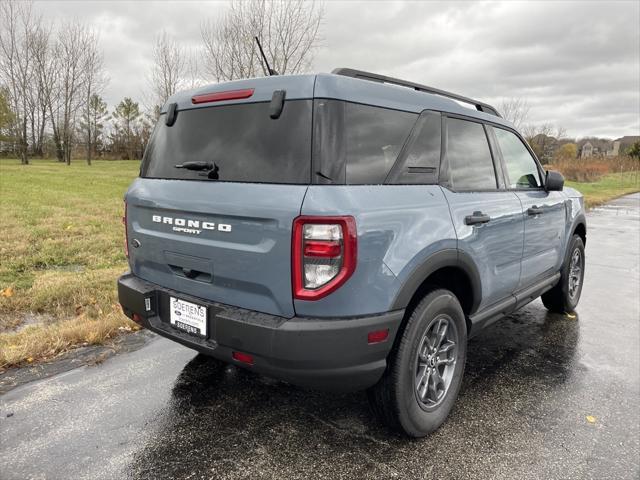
(264, 59)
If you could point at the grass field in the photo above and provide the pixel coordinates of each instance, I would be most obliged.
(608, 187)
(61, 250)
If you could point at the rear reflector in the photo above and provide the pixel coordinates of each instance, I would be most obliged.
(378, 336)
(243, 357)
(137, 318)
(322, 248)
(220, 96)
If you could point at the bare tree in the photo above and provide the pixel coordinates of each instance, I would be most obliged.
(292, 34)
(289, 32)
(73, 42)
(515, 110)
(94, 81)
(16, 29)
(44, 80)
(531, 131)
(228, 44)
(193, 72)
(170, 65)
(544, 139)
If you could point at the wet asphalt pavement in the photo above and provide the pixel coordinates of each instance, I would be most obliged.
(531, 381)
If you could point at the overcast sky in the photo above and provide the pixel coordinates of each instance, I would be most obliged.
(577, 63)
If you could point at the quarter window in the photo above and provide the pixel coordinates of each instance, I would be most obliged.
(522, 170)
(356, 144)
(422, 158)
(373, 137)
(468, 156)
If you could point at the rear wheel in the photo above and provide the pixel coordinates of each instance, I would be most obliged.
(425, 368)
(564, 297)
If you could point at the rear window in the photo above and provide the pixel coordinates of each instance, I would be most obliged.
(357, 144)
(243, 142)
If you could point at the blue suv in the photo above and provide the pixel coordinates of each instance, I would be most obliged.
(345, 231)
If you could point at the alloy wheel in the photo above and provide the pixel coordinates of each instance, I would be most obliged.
(575, 273)
(436, 361)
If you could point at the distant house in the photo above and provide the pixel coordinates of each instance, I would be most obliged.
(602, 147)
(587, 150)
(615, 149)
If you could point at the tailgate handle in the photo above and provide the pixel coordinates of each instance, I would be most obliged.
(191, 273)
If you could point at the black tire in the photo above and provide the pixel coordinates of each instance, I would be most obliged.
(397, 399)
(564, 296)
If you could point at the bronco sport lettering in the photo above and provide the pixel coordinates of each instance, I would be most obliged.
(190, 226)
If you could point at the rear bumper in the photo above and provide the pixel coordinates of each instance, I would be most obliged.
(319, 353)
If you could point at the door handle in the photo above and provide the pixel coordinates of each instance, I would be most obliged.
(535, 210)
(477, 218)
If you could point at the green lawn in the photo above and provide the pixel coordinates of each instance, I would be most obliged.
(608, 187)
(61, 250)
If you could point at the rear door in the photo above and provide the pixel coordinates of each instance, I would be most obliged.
(223, 233)
(544, 212)
(487, 218)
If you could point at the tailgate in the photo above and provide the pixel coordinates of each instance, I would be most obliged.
(220, 241)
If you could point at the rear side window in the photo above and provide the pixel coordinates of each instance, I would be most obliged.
(357, 144)
(522, 170)
(468, 156)
(241, 140)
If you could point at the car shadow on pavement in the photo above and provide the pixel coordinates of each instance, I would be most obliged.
(228, 422)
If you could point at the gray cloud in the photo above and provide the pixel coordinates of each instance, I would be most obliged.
(577, 63)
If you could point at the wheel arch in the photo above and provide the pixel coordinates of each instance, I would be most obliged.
(450, 269)
(580, 229)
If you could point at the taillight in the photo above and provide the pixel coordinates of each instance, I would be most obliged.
(324, 255)
(126, 236)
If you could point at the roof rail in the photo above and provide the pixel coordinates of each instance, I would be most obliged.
(374, 77)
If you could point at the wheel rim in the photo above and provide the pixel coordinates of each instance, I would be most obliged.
(436, 361)
(575, 273)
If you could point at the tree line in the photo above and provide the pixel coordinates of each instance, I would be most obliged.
(53, 76)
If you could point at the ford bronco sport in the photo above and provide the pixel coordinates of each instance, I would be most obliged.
(345, 231)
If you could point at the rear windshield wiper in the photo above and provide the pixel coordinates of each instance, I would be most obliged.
(196, 165)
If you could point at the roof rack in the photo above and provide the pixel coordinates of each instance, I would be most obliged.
(374, 77)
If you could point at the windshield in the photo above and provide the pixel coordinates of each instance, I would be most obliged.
(241, 141)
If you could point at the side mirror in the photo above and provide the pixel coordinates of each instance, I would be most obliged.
(554, 181)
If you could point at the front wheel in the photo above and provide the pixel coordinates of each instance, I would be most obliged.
(564, 297)
(425, 368)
